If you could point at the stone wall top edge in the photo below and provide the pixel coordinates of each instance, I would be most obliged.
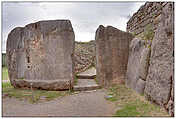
(59, 21)
(146, 5)
(109, 27)
(45, 21)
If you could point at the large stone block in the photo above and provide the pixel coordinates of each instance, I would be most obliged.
(147, 14)
(41, 51)
(144, 63)
(160, 75)
(138, 63)
(134, 61)
(111, 54)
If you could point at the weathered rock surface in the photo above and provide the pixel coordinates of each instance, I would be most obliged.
(136, 63)
(111, 54)
(144, 63)
(41, 51)
(140, 86)
(54, 85)
(159, 82)
(148, 14)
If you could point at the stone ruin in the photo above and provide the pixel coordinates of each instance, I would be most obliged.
(112, 47)
(150, 69)
(84, 55)
(149, 13)
(41, 55)
(145, 64)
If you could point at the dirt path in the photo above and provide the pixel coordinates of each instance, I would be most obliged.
(90, 103)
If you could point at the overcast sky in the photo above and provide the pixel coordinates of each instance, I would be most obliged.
(85, 16)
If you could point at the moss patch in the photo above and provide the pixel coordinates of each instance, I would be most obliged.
(75, 80)
(5, 73)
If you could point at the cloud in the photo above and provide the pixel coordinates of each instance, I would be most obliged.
(85, 16)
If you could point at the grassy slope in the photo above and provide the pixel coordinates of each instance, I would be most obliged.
(129, 103)
(32, 96)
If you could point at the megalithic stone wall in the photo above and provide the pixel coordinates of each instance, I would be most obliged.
(150, 67)
(42, 53)
(160, 79)
(112, 46)
(137, 67)
(148, 14)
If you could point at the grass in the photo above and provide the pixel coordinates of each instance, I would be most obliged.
(75, 80)
(4, 73)
(6, 85)
(32, 96)
(131, 104)
(128, 110)
(147, 35)
(95, 78)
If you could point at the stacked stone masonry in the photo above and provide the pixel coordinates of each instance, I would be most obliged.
(41, 55)
(149, 13)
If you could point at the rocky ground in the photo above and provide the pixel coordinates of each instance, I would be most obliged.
(84, 103)
(90, 103)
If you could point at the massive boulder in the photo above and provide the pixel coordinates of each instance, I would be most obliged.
(135, 49)
(159, 83)
(138, 63)
(144, 63)
(112, 46)
(41, 54)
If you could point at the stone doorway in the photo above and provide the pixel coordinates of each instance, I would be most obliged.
(50, 60)
(85, 66)
(111, 49)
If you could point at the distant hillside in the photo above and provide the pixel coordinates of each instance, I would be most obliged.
(84, 55)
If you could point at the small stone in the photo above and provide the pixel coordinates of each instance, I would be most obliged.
(42, 97)
(108, 96)
(5, 95)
